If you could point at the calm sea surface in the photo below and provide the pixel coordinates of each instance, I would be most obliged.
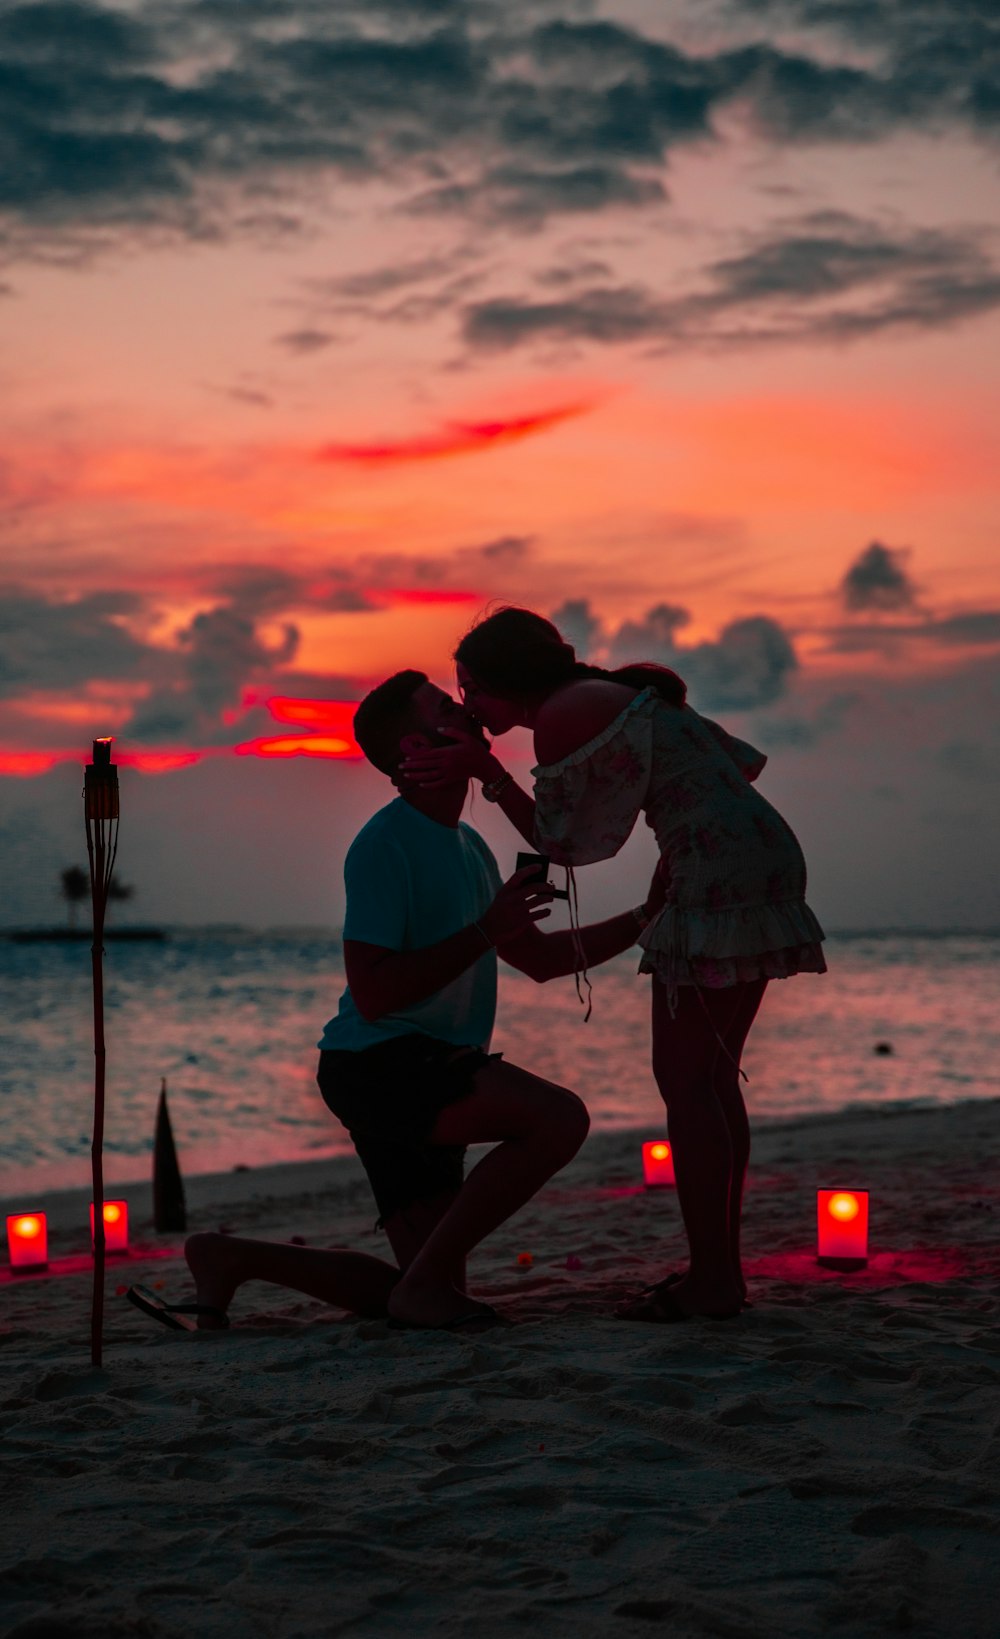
(231, 1020)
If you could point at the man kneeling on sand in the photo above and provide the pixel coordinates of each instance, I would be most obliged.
(404, 1064)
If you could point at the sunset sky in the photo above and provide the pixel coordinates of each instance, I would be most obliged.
(325, 325)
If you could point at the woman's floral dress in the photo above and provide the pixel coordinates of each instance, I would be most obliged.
(736, 905)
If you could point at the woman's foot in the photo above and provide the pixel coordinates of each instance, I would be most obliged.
(670, 1299)
(214, 1264)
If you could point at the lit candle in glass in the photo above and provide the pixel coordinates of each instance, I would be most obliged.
(657, 1163)
(842, 1228)
(28, 1240)
(115, 1226)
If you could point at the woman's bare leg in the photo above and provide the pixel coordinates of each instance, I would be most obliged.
(730, 1095)
(537, 1128)
(706, 1121)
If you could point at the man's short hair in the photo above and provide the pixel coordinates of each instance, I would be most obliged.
(385, 715)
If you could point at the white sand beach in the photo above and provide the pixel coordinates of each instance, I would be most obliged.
(828, 1463)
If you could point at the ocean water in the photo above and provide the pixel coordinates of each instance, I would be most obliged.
(231, 1018)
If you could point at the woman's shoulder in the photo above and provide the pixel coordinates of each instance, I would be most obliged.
(572, 717)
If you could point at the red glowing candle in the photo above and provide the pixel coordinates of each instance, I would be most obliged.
(657, 1163)
(842, 1228)
(115, 1226)
(28, 1240)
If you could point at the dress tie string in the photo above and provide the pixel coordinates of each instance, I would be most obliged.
(579, 954)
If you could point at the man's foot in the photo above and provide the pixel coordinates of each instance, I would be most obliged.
(412, 1304)
(214, 1264)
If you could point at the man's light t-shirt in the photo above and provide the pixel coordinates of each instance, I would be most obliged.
(412, 882)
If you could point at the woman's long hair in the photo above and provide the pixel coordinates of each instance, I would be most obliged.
(514, 653)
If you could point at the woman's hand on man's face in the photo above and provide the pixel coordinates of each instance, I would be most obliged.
(470, 758)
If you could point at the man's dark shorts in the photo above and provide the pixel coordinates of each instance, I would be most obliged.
(389, 1098)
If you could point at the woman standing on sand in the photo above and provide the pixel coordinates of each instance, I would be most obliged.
(612, 745)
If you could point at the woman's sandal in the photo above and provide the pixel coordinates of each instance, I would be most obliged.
(656, 1303)
(172, 1314)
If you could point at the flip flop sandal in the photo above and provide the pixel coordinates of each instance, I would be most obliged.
(173, 1314)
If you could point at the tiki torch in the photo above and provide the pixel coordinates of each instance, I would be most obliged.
(100, 807)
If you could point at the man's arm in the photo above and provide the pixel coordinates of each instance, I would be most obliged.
(386, 981)
(545, 956)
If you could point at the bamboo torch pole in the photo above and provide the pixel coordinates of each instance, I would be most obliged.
(100, 808)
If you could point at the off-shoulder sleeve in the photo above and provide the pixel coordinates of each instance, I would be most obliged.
(747, 758)
(587, 804)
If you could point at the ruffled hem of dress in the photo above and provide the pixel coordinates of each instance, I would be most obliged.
(584, 752)
(732, 946)
(718, 973)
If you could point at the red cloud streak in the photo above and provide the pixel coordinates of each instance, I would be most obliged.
(327, 732)
(455, 438)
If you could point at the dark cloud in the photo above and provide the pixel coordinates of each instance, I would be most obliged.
(979, 627)
(574, 271)
(505, 549)
(602, 314)
(832, 277)
(219, 653)
(241, 638)
(186, 115)
(61, 31)
(878, 580)
(525, 196)
(247, 395)
(579, 626)
(977, 630)
(748, 665)
(935, 62)
(972, 761)
(255, 591)
(305, 341)
(387, 280)
(652, 638)
(61, 644)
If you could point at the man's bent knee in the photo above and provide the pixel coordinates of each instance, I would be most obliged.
(568, 1118)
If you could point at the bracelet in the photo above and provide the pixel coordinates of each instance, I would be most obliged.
(489, 941)
(641, 916)
(493, 788)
